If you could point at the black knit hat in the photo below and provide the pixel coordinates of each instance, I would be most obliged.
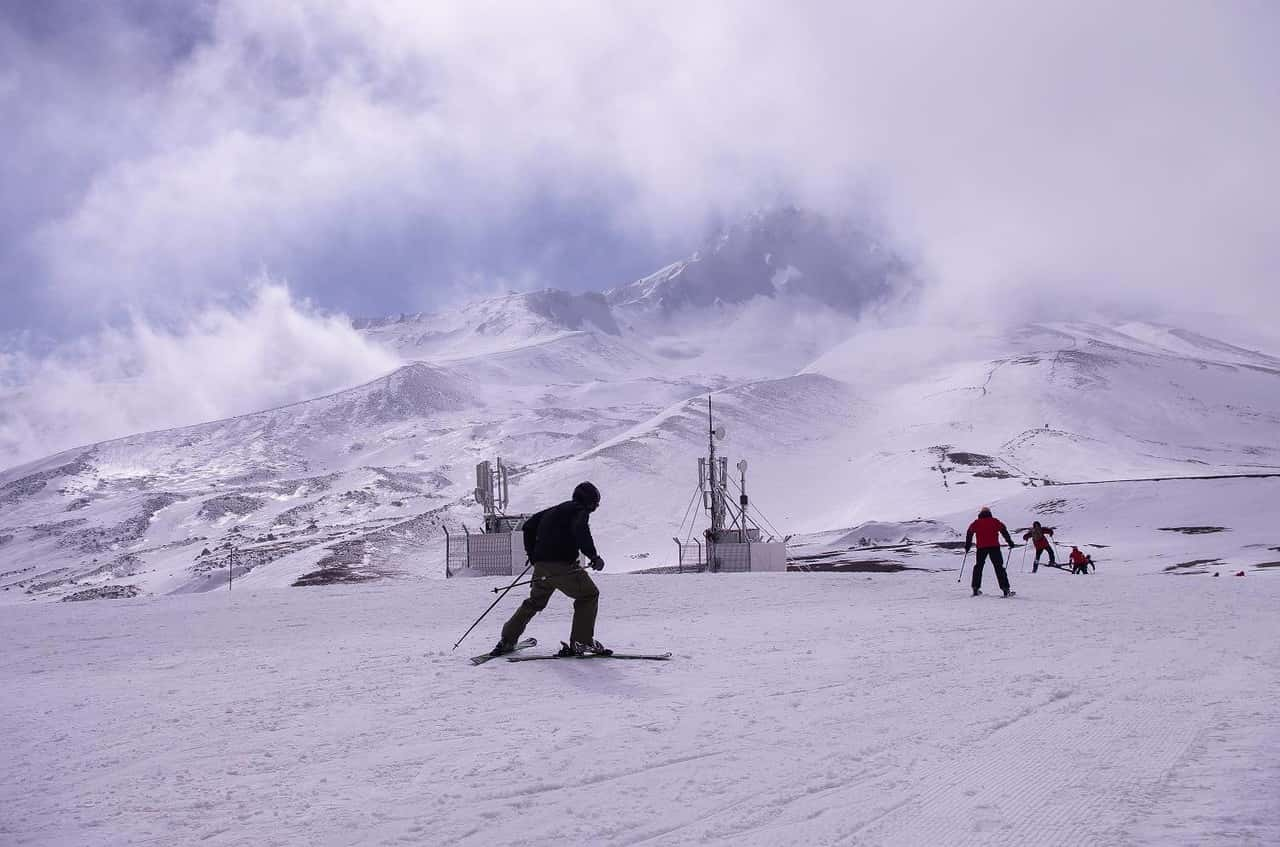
(587, 496)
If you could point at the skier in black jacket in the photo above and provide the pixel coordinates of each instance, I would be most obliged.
(552, 540)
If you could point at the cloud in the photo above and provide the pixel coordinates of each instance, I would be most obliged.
(1046, 155)
(270, 351)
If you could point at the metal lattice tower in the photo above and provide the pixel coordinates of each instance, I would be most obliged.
(492, 487)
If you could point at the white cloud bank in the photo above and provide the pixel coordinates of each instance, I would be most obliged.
(274, 350)
(1117, 152)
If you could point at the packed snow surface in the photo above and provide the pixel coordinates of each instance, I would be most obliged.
(1131, 706)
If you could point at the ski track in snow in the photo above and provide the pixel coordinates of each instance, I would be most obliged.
(825, 709)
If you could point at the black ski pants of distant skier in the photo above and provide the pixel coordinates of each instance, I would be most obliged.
(573, 581)
(997, 561)
(1052, 561)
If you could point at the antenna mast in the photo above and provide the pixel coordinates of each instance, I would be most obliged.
(713, 476)
(740, 547)
(493, 491)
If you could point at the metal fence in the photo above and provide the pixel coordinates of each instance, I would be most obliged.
(728, 557)
(490, 555)
(689, 556)
(455, 551)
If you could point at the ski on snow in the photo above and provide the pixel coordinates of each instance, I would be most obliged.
(656, 657)
(520, 645)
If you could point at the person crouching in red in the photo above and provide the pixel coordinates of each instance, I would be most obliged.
(1080, 562)
(988, 531)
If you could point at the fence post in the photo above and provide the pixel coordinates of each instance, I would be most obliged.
(448, 550)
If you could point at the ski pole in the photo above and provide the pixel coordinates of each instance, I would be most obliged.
(1023, 569)
(962, 561)
(529, 564)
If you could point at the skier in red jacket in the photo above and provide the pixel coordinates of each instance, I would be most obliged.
(1080, 562)
(1040, 535)
(988, 530)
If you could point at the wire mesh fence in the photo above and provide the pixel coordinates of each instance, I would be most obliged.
(489, 555)
(729, 557)
(689, 556)
(455, 552)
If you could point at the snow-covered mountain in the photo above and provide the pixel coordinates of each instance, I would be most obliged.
(844, 422)
(785, 250)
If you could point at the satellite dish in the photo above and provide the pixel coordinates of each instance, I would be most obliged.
(742, 466)
(719, 433)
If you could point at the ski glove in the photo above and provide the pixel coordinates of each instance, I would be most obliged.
(597, 564)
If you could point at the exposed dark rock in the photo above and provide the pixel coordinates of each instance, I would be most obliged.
(229, 504)
(298, 514)
(1194, 563)
(971, 459)
(104, 592)
(45, 530)
(836, 262)
(99, 539)
(359, 497)
(1049, 507)
(27, 486)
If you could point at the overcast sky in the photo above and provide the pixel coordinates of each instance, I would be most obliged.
(381, 156)
(384, 156)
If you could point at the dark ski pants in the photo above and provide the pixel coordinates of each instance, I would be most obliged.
(573, 581)
(1053, 561)
(997, 561)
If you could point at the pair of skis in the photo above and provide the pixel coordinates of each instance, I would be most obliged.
(532, 642)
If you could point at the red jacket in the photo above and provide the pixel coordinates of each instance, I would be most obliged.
(1078, 558)
(1042, 543)
(988, 531)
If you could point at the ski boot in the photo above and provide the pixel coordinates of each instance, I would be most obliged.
(579, 649)
(1010, 593)
(977, 591)
(502, 648)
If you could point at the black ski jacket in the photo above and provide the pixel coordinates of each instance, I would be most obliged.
(558, 533)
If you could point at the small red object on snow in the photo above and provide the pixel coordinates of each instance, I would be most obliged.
(1239, 573)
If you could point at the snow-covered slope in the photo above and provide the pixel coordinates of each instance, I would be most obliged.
(891, 425)
(495, 325)
(815, 709)
(844, 422)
